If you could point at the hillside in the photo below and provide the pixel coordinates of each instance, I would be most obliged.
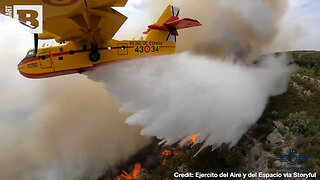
(290, 121)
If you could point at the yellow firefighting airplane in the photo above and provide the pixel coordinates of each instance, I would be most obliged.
(84, 29)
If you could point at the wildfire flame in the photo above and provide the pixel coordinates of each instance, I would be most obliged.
(189, 140)
(193, 138)
(130, 176)
(166, 153)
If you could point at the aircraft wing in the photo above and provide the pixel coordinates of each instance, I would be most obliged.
(79, 20)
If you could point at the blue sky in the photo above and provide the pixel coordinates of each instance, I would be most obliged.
(306, 12)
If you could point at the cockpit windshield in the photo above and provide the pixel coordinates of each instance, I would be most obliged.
(30, 54)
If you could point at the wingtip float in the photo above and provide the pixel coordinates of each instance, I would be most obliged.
(88, 35)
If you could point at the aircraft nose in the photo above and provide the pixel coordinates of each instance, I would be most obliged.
(20, 68)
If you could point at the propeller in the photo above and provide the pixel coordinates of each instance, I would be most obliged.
(36, 42)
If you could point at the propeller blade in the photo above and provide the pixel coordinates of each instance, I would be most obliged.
(36, 41)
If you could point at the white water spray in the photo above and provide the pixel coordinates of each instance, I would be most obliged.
(176, 96)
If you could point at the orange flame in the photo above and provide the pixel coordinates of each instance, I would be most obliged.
(166, 153)
(133, 175)
(193, 138)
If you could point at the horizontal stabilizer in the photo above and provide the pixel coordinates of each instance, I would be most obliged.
(173, 24)
(167, 26)
(183, 23)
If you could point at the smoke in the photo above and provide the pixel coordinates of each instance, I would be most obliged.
(176, 96)
(76, 133)
(65, 128)
(241, 29)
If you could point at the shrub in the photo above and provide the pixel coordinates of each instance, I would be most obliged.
(298, 122)
(266, 147)
(271, 161)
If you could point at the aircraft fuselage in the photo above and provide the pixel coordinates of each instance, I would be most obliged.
(73, 57)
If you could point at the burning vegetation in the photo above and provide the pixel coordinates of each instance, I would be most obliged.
(289, 115)
(130, 176)
(148, 159)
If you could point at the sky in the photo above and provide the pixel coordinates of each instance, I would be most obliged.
(303, 15)
(19, 95)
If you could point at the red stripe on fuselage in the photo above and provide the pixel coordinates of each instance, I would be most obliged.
(65, 53)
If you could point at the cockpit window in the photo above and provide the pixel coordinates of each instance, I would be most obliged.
(30, 54)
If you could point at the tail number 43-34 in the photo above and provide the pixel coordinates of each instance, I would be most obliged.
(147, 49)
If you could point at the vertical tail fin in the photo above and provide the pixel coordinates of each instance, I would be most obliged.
(162, 35)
